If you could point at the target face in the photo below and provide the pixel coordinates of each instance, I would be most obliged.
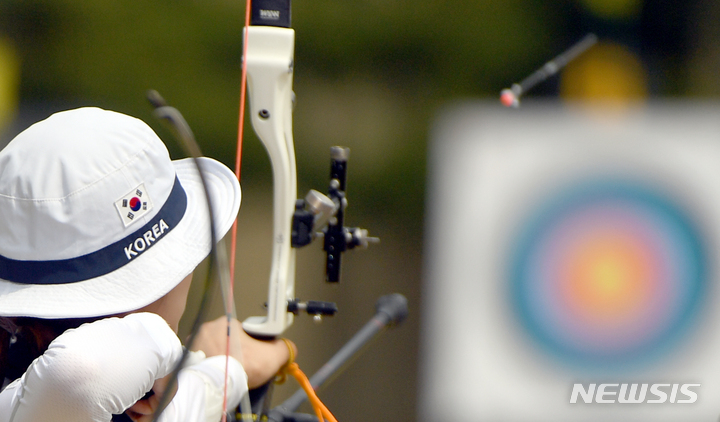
(608, 274)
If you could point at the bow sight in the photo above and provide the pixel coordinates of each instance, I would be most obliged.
(318, 212)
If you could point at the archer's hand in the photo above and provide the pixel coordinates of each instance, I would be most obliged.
(144, 409)
(261, 359)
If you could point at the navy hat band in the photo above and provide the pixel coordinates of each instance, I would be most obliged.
(102, 261)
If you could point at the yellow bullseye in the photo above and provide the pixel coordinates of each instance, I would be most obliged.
(607, 279)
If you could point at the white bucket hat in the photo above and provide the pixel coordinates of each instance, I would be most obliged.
(95, 219)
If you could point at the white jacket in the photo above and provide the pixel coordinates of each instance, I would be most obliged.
(102, 368)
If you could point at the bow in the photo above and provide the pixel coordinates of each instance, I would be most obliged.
(268, 62)
(268, 65)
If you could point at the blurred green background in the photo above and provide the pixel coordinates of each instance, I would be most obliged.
(369, 75)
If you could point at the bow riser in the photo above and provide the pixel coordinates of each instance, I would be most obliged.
(269, 60)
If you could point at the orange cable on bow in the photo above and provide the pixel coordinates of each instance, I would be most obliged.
(293, 369)
(320, 409)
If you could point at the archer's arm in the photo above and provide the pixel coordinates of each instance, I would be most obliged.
(89, 373)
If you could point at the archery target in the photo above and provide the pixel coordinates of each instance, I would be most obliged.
(567, 247)
(608, 273)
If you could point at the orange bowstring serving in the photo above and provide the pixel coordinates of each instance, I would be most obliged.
(238, 163)
(241, 128)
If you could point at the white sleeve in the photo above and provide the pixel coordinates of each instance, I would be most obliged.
(200, 390)
(89, 373)
(102, 368)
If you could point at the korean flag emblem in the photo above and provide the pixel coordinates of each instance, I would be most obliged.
(134, 205)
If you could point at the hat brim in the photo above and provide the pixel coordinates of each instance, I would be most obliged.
(151, 275)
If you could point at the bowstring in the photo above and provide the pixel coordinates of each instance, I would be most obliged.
(238, 164)
(218, 257)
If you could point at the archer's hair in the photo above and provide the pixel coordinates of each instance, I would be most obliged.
(4, 343)
(30, 338)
